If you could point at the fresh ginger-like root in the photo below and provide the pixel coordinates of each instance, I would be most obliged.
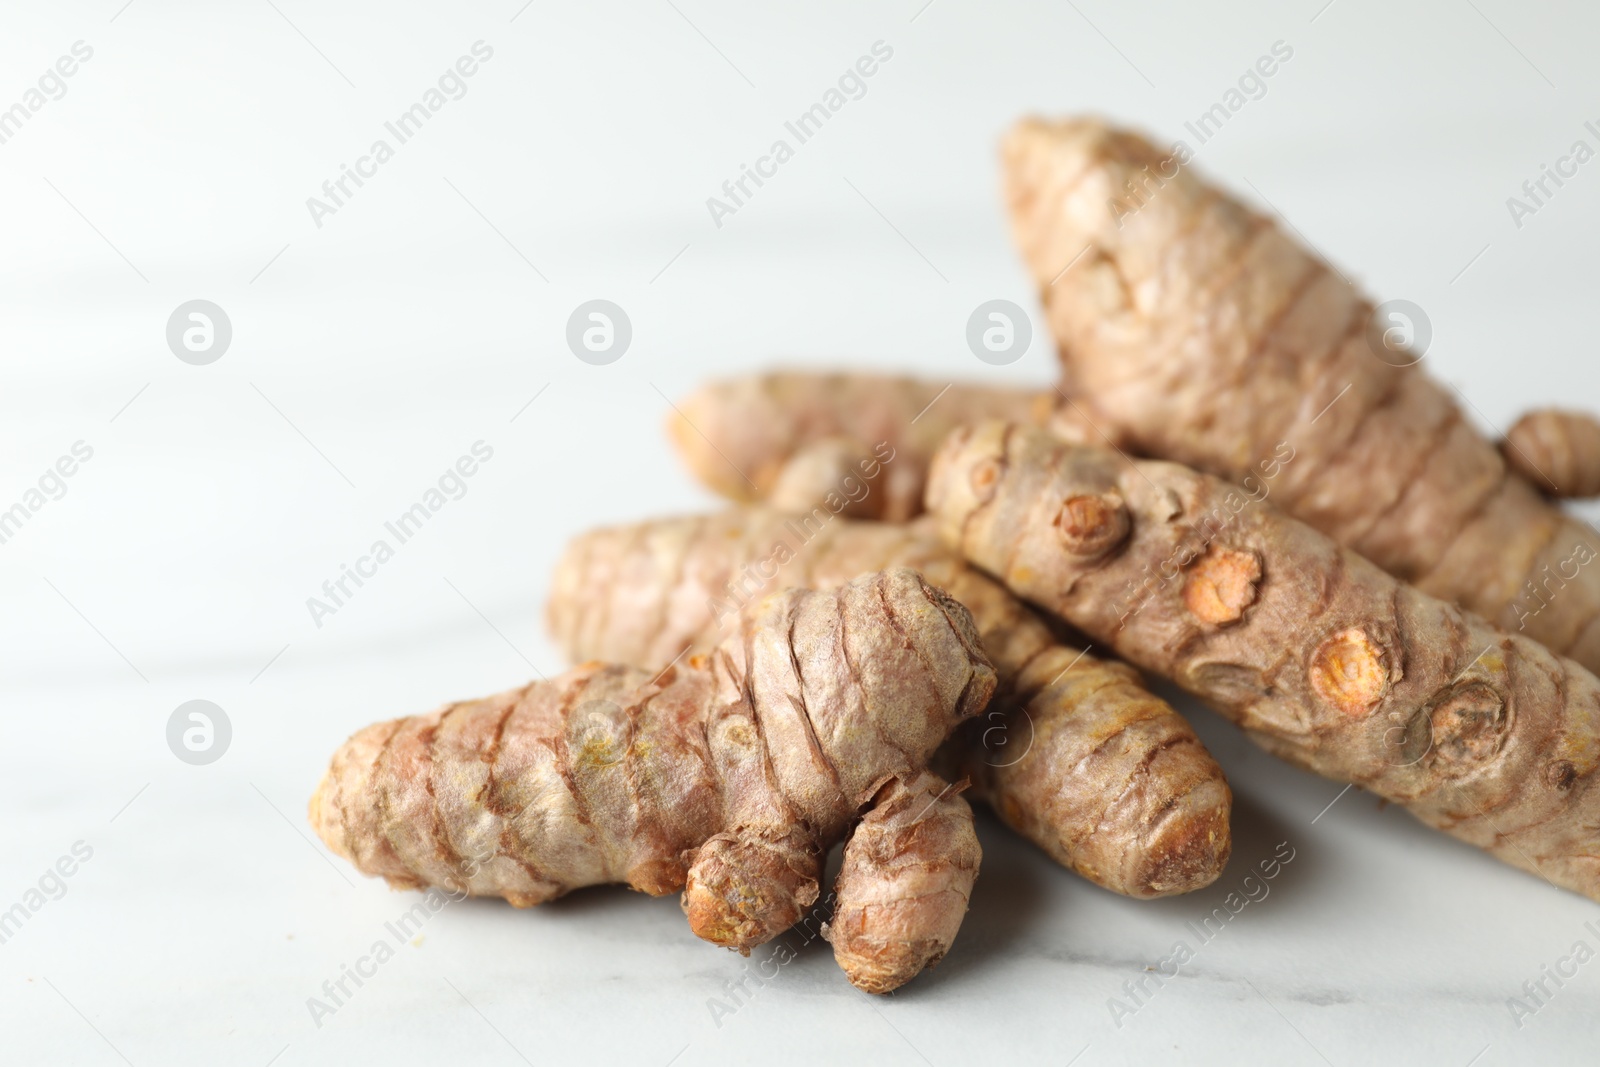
(744, 889)
(729, 776)
(1320, 656)
(1558, 452)
(862, 441)
(1205, 334)
(1077, 755)
(907, 874)
(1104, 775)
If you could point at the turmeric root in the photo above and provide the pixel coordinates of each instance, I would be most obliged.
(727, 778)
(896, 912)
(1558, 452)
(1078, 757)
(858, 441)
(1321, 657)
(1205, 334)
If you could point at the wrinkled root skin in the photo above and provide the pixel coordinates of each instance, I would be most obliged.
(902, 891)
(743, 892)
(1078, 756)
(1324, 659)
(728, 776)
(1557, 452)
(1104, 776)
(855, 444)
(1197, 330)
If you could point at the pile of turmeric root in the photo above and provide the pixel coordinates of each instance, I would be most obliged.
(1230, 487)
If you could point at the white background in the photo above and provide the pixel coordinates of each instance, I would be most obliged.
(369, 353)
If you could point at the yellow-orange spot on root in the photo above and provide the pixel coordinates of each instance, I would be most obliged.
(985, 476)
(711, 920)
(598, 751)
(1090, 524)
(1348, 671)
(738, 732)
(766, 473)
(1221, 584)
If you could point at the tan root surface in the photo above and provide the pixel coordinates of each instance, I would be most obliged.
(727, 777)
(801, 441)
(1323, 658)
(1199, 331)
(1077, 755)
(1558, 452)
